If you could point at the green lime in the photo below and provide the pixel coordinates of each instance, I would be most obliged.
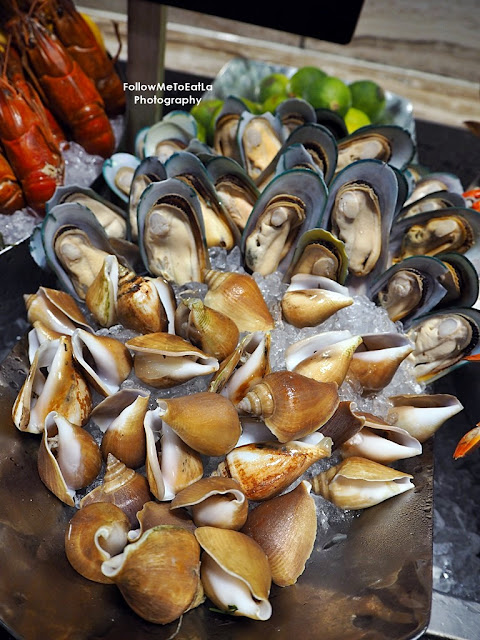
(201, 131)
(253, 107)
(303, 79)
(354, 119)
(272, 103)
(369, 97)
(330, 93)
(210, 127)
(272, 85)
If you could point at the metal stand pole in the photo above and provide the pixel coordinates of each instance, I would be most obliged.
(146, 54)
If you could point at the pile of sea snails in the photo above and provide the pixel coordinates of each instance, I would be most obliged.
(216, 344)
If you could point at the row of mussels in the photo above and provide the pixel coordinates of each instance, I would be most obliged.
(410, 244)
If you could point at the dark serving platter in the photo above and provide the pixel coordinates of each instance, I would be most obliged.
(368, 577)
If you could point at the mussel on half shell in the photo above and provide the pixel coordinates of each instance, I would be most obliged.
(442, 340)
(359, 211)
(171, 232)
(432, 232)
(290, 205)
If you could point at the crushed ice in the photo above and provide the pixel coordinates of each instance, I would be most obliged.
(81, 168)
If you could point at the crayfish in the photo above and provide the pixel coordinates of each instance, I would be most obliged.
(69, 92)
(30, 148)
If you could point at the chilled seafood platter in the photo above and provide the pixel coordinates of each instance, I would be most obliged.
(219, 424)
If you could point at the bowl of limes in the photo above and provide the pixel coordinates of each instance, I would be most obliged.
(263, 86)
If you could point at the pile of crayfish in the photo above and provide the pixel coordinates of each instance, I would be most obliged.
(57, 83)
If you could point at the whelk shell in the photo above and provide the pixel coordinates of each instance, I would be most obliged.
(235, 572)
(290, 404)
(164, 360)
(176, 465)
(285, 527)
(358, 483)
(265, 469)
(421, 415)
(68, 458)
(377, 359)
(63, 390)
(215, 501)
(206, 421)
(123, 487)
(238, 296)
(105, 361)
(120, 417)
(158, 575)
(94, 534)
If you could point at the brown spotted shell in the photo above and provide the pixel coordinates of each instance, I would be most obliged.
(291, 405)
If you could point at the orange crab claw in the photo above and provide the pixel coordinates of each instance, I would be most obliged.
(469, 442)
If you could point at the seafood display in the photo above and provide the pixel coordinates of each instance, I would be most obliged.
(222, 364)
(58, 84)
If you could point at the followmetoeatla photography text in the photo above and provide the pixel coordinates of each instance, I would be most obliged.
(174, 93)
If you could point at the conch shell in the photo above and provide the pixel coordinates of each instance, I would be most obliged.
(235, 572)
(244, 368)
(381, 442)
(210, 330)
(358, 483)
(206, 421)
(291, 405)
(145, 304)
(101, 296)
(94, 534)
(159, 574)
(123, 487)
(105, 361)
(120, 418)
(265, 469)
(325, 357)
(164, 360)
(63, 390)
(377, 359)
(421, 415)
(285, 527)
(310, 300)
(68, 458)
(215, 501)
(153, 514)
(238, 296)
(56, 310)
(176, 466)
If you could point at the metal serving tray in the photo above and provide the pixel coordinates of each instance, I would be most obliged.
(370, 578)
